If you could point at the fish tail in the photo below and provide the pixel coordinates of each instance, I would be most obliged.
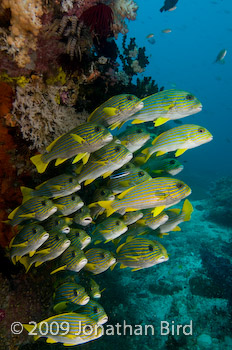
(107, 205)
(26, 192)
(26, 263)
(187, 210)
(38, 162)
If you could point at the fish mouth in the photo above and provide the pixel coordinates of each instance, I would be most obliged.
(109, 138)
(86, 221)
(103, 320)
(83, 262)
(84, 300)
(97, 295)
(67, 243)
(45, 235)
(65, 229)
(112, 261)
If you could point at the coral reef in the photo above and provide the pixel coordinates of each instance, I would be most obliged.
(219, 204)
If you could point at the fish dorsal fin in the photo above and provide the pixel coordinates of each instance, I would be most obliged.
(122, 195)
(160, 121)
(179, 152)
(49, 147)
(156, 211)
(119, 248)
(110, 111)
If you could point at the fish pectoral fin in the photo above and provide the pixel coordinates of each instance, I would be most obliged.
(160, 121)
(78, 157)
(179, 152)
(125, 183)
(160, 153)
(91, 266)
(38, 263)
(59, 269)
(97, 242)
(20, 245)
(124, 143)
(137, 121)
(111, 267)
(122, 266)
(56, 187)
(60, 161)
(114, 125)
(79, 168)
(169, 107)
(77, 138)
(141, 222)
(110, 111)
(138, 268)
(130, 209)
(85, 158)
(177, 228)
(31, 253)
(156, 211)
(58, 308)
(44, 251)
(60, 206)
(27, 216)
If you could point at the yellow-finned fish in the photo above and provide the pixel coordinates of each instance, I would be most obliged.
(94, 289)
(178, 139)
(175, 217)
(79, 142)
(115, 111)
(167, 105)
(134, 177)
(68, 204)
(162, 165)
(82, 217)
(140, 253)
(131, 217)
(79, 238)
(100, 194)
(108, 229)
(99, 260)
(73, 329)
(69, 292)
(56, 224)
(27, 241)
(94, 310)
(56, 187)
(36, 208)
(103, 162)
(151, 221)
(156, 193)
(134, 138)
(73, 259)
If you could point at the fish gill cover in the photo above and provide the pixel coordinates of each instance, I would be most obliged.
(89, 206)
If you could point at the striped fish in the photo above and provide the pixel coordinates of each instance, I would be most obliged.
(135, 177)
(156, 193)
(162, 165)
(94, 289)
(54, 246)
(99, 260)
(134, 138)
(79, 142)
(59, 186)
(134, 230)
(69, 292)
(27, 241)
(140, 253)
(116, 110)
(176, 216)
(167, 105)
(68, 204)
(95, 311)
(151, 221)
(131, 217)
(108, 229)
(79, 238)
(56, 224)
(178, 139)
(100, 194)
(103, 162)
(73, 329)
(36, 208)
(82, 217)
(72, 259)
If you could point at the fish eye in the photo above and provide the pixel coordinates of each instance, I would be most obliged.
(179, 185)
(57, 238)
(73, 198)
(77, 234)
(70, 180)
(150, 247)
(43, 203)
(103, 192)
(172, 161)
(95, 309)
(129, 97)
(140, 173)
(88, 328)
(127, 166)
(75, 292)
(56, 222)
(117, 223)
(201, 130)
(102, 255)
(139, 131)
(34, 230)
(73, 254)
(97, 128)
(117, 148)
(189, 97)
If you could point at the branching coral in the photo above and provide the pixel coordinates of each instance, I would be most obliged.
(123, 9)
(41, 117)
(25, 26)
